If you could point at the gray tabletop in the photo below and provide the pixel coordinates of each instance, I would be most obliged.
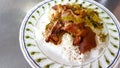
(12, 13)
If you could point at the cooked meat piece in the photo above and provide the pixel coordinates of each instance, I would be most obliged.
(48, 28)
(55, 38)
(60, 7)
(72, 29)
(88, 40)
(81, 13)
(55, 7)
(52, 38)
(55, 33)
(76, 41)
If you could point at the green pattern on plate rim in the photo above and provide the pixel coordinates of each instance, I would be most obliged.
(35, 56)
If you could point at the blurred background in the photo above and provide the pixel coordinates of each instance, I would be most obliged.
(12, 12)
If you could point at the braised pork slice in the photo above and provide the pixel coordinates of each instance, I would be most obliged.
(55, 33)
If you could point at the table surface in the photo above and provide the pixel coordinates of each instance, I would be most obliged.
(12, 12)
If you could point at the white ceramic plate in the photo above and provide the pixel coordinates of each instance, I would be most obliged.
(38, 54)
